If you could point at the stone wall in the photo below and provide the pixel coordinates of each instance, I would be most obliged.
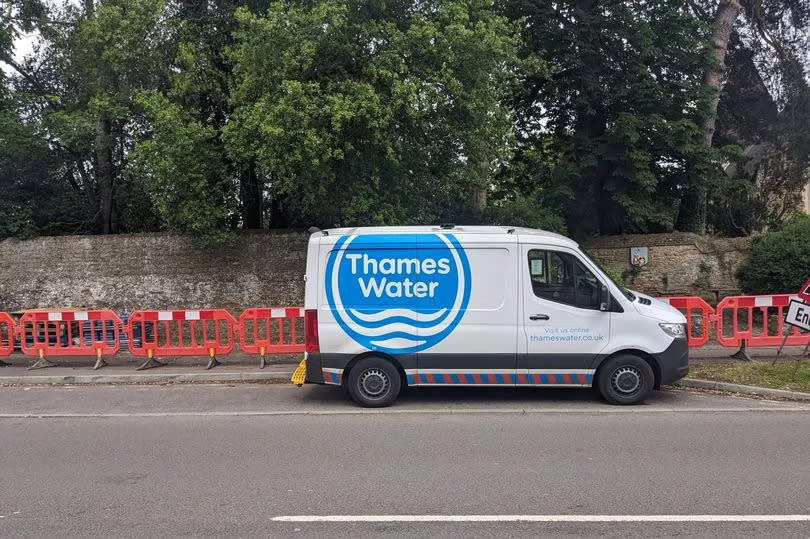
(152, 271)
(679, 263)
(265, 268)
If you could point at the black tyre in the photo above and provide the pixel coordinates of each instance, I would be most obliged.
(625, 379)
(374, 382)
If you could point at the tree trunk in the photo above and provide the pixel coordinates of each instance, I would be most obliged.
(252, 197)
(696, 203)
(723, 24)
(479, 187)
(478, 197)
(105, 174)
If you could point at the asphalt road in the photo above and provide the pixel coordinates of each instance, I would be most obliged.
(228, 460)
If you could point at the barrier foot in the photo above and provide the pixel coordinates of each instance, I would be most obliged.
(4, 364)
(150, 363)
(41, 363)
(212, 363)
(742, 353)
(99, 363)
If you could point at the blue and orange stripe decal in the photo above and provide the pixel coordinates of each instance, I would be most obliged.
(534, 377)
(333, 376)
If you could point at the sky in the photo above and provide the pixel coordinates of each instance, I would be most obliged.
(22, 47)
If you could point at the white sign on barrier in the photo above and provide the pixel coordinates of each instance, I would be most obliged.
(798, 314)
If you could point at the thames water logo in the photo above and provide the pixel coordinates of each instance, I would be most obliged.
(398, 293)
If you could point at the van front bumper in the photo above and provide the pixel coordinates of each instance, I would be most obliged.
(674, 361)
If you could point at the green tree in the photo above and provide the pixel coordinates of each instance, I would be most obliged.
(371, 112)
(16, 18)
(37, 196)
(115, 49)
(608, 132)
(188, 181)
(778, 262)
(196, 186)
(763, 109)
(78, 92)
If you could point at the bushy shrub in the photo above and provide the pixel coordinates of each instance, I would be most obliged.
(779, 261)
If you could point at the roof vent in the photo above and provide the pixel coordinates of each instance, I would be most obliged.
(447, 226)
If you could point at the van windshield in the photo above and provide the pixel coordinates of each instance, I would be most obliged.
(627, 293)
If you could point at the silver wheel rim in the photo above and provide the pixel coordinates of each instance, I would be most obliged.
(626, 380)
(373, 384)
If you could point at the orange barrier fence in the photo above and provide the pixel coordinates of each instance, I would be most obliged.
(180, 333)
(271, 331)
(699, 317)
(756, 321)
(69, 333)
(8, 332)
(737, 321)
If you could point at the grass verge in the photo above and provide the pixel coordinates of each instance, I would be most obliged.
(757, 373)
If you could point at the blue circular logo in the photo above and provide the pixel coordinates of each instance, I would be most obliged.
(398, 293)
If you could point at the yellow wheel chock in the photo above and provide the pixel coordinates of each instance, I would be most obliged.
(300, 373)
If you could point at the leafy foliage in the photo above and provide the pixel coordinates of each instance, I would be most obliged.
(611, 122)
(778, 262)
(188, 185)
(391, 111)
(577, 116)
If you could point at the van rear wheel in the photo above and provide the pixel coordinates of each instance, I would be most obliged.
(625, 379)
(374, 382)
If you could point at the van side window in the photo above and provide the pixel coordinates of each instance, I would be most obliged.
(561, 277)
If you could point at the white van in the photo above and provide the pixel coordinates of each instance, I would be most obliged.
(478, 306)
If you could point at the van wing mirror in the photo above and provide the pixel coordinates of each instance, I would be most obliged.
(604, 298)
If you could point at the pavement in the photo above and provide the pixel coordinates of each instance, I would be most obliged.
(273, 460)
(20, 375)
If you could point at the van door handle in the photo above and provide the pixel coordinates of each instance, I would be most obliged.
(539, 317)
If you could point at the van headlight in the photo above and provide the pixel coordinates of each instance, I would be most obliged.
(676, 331)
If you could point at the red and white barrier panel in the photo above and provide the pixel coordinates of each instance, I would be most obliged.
(181, 333)
(8, 330)
(699, 318)
(69, 333)
(756, 321)
(275, 330)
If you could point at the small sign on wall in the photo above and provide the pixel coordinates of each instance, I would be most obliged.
(639, 256)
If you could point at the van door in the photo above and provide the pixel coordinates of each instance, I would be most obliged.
(563, 327)
(478, 343)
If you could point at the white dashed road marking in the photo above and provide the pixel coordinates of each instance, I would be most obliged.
(543, 518)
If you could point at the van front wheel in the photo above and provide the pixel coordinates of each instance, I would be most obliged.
(374, 382)
(625, 379)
